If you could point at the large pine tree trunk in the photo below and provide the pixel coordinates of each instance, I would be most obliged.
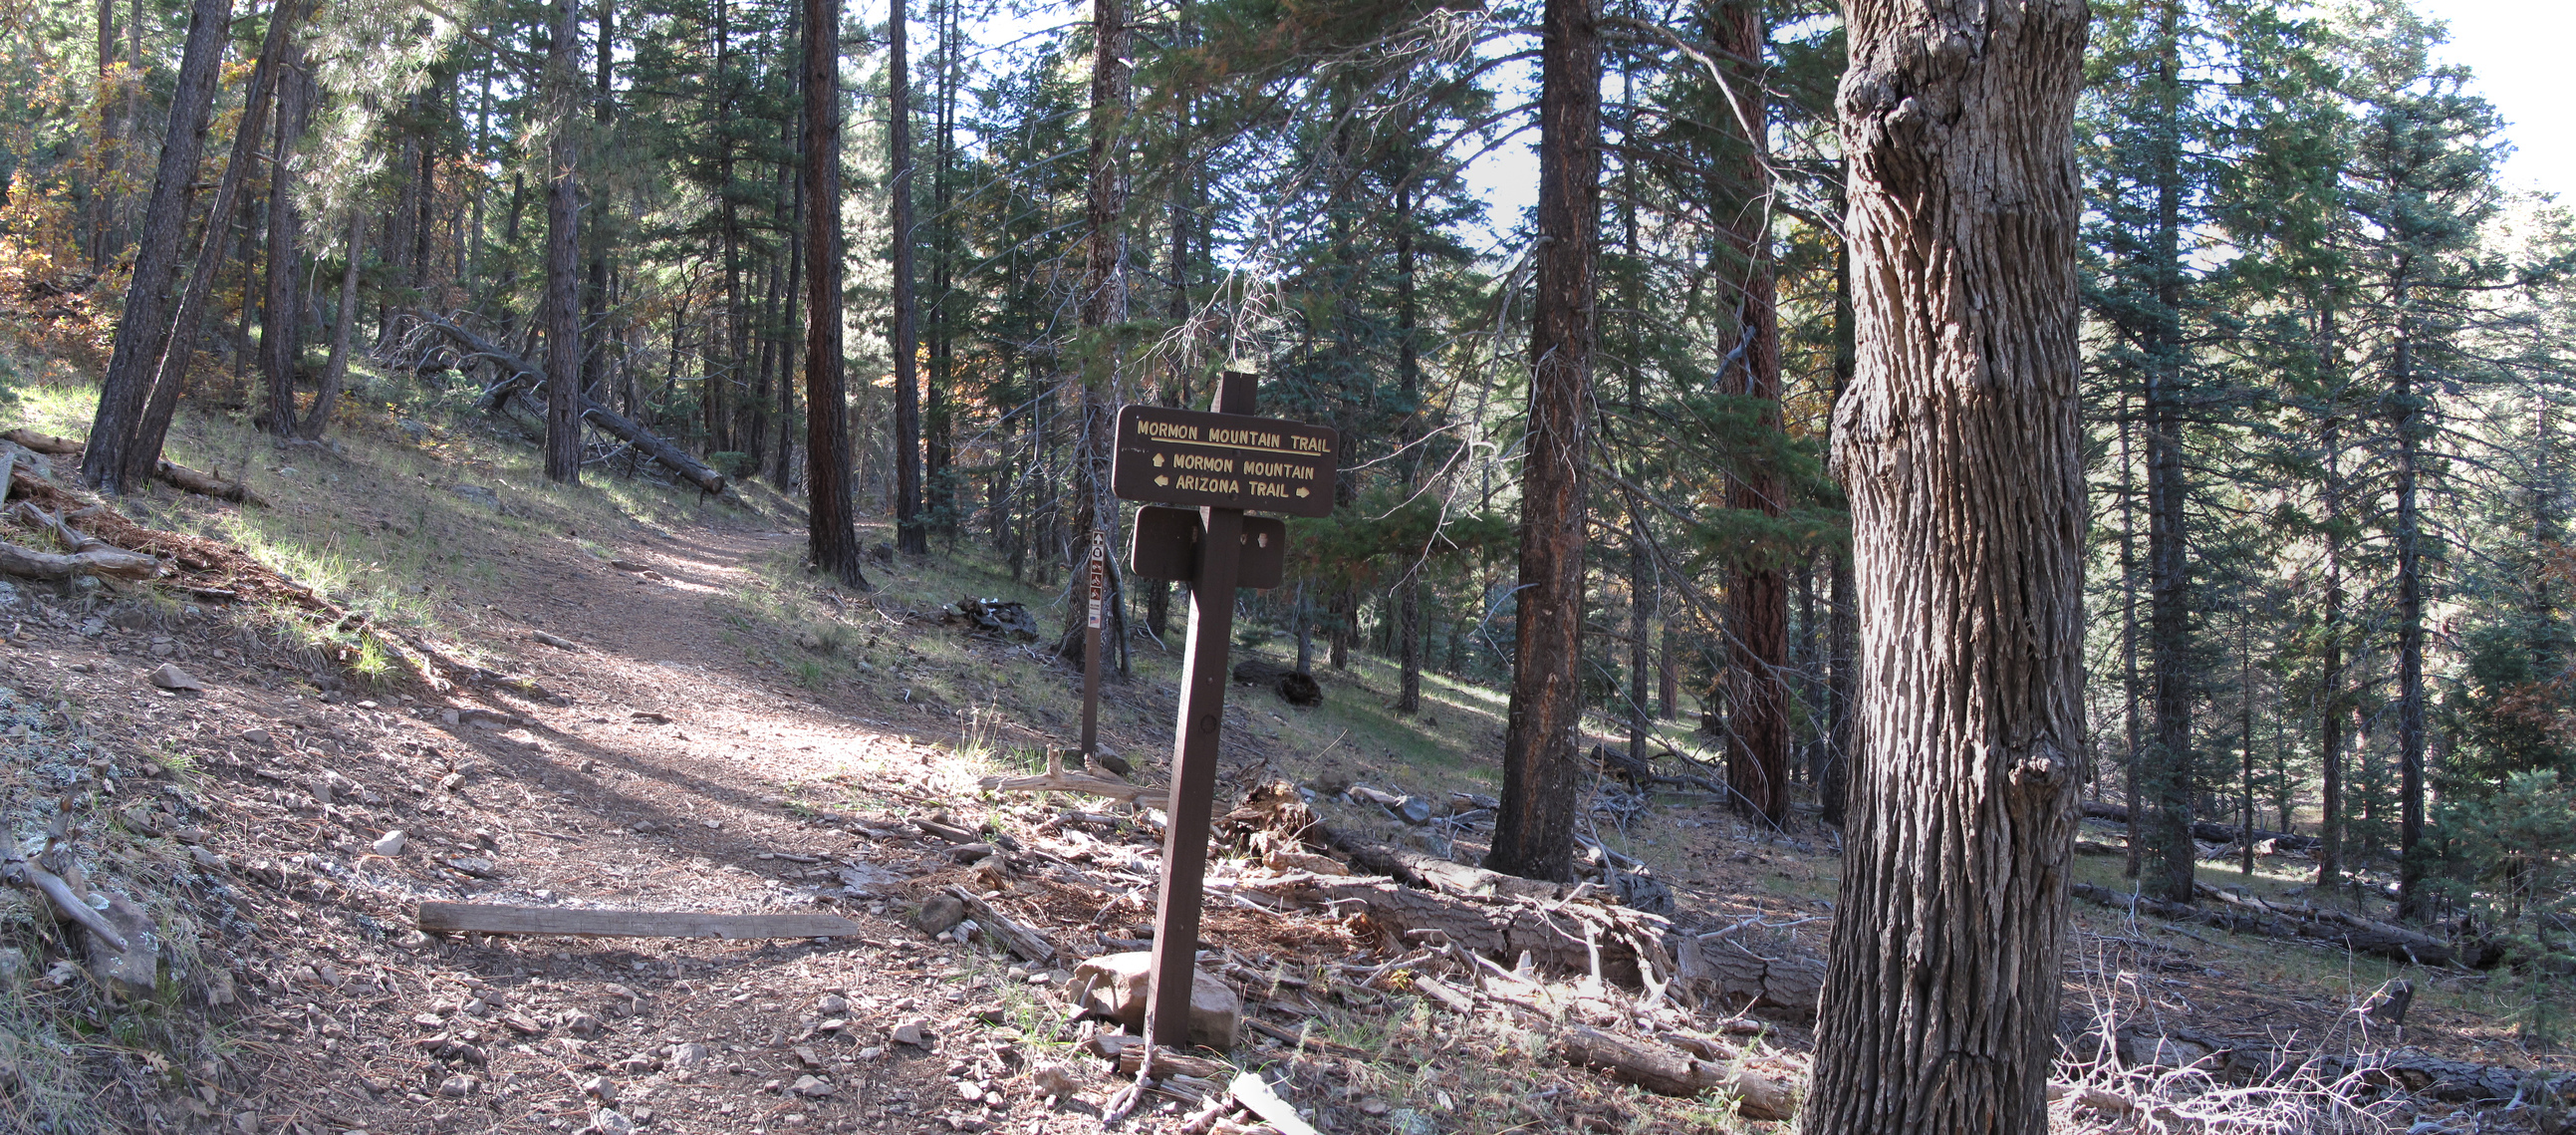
(832, 535)
(563, 256)
(1757, 750)
(1842, 634)
(1534, 830)
(143, 329)
(281, 337)
(1960, 444)
(1408, 377)
(2407, 407)
(170, 372)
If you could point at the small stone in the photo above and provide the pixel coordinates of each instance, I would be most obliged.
(256, 736)
(811, 1088)
(602, 1089)
(992, 1014)
(938, 913)
(579, 1023)
(832, 1005)
(806, 1056)
(458, 1086)
(389, 844)
(476, 866)
(688, 1055)
(1054, 1079)
(914, 1032)
(711, 825)
(450, 781)
(608, 1121)
(449, 717)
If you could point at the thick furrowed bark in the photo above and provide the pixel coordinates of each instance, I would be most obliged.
(1959, 445)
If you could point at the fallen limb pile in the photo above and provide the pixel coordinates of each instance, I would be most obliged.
(1666, 1070)
(88, 555)
(2207, 831)
(526, 375)
(2244, 1062)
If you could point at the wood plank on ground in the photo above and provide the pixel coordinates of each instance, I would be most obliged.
(478, 918)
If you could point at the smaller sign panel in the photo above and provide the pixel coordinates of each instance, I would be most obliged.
(1099, 583)
(1167, 548)
(1190, 457)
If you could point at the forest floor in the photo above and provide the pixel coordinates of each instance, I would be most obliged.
(691, 723)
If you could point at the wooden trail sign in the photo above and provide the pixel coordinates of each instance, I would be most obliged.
(1190, 457)
(1098, 578)
(1223, 463)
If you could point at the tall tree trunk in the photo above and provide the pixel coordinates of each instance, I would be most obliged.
(2330, 671)
(336, 371)
(901, 338)
(143, 330)
(1842, 634)
(169, 378)
(1757, 751)
(563, 255)
(783, 468)
(2407, 407)
(1542, 768)
(1104, 292)
(282, 322)
(2132, 688)
(2245, 726)
(832, 534)
(595, 354)
(2170, 759)
(102, 207)
(1939, 1012)
(1408, 389)
(938, 446)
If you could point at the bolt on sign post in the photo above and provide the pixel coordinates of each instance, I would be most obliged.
(1098, 574)
(1220, 465)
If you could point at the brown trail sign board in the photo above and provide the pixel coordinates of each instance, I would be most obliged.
(1190, 457)
(1223, 463)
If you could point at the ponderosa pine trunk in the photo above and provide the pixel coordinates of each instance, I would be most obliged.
(563, 255)
(904, 341)
(281, 336)
(1842, 633)
(1960, 444)
(832, 534)
(1757, 747)
(169, 378)
(1542, 766)
(1408, 379)
(143, 327)
(2406, 409)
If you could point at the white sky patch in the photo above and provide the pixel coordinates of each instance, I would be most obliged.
(2519, 50)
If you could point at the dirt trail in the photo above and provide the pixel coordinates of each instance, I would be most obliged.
(656, 777)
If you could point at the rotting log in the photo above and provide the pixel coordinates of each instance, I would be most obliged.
(168, 471)
(1669, 1071)
(2251, 1061)
(528, 374)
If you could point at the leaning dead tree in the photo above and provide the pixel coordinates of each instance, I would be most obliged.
(525, 375)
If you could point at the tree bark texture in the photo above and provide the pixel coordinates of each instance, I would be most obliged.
(1757, 747)
(1534, 829)
(563, 255)
(832, 535)
(144, 327)
(1959, 443)
(904, 339)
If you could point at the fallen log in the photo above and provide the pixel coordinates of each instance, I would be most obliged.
(2265, 920)
(1670, 1071)
(166, 470)
(2366, 935)
(2206, 830)
(529, 374)
(89, 555)
(2249, 1062)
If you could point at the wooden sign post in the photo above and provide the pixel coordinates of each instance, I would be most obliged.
(1224, 463)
